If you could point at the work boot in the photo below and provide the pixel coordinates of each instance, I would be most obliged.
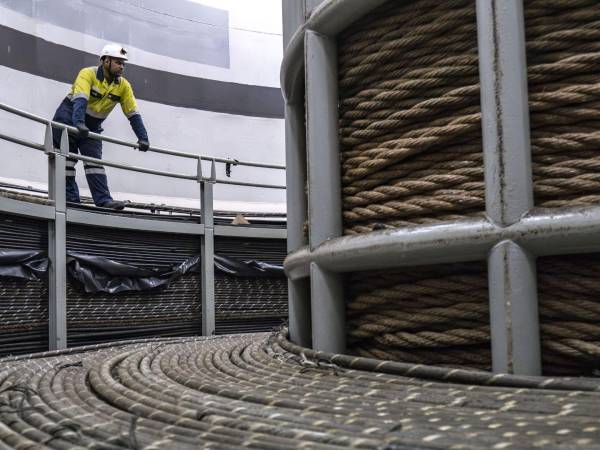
(112, 204)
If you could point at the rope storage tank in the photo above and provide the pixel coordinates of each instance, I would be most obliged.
(423, 246)
(459, 150)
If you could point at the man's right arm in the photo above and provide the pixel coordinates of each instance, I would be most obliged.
(81, 94)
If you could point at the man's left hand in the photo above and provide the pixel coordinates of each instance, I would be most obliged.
(143, 145)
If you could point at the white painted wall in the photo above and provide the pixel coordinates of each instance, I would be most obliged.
(255, 52)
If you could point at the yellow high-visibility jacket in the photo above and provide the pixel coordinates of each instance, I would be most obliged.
(102, 96)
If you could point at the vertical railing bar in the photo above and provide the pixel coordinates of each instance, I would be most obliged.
(207, 251)
(328, 310)
(57, 241)
(508, 183)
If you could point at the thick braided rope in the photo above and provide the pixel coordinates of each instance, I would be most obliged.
(411, 154)
(409, 116)
(261, 391)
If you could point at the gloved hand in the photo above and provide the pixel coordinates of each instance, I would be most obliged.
(83, 130)
(143, 145)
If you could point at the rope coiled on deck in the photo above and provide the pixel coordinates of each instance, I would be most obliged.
(263, 392)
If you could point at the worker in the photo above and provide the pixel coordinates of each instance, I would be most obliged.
(93, 96)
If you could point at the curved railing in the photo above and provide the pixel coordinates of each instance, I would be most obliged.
(57, 215)
(198, 158)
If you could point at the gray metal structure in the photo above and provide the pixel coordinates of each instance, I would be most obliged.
(511, 236)
(58, 215)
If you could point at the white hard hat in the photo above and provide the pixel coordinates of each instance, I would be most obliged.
(114, 51)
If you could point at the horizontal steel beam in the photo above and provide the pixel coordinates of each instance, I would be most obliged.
(46, 212)
(250, 232)
(27, 209)
(542, 232)
(132, 223)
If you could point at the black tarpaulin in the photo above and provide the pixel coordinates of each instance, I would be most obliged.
(100, 274)
(250, 268)
(25, 264)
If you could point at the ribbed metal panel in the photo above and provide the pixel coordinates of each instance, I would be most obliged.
(23, 233)
(141, 248)
(250, 304)
(242, 304)
(268, 250)
(231, 326)
(172, 311)
(23, 304)
(250, 297)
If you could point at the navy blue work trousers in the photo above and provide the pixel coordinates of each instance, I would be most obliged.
(95, 174)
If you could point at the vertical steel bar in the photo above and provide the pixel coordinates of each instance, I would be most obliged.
(298, 294)
(324, 188)
(327, 313)
(208, 254)
(295, 151)
(504, 109)
(508, 182)
(292, 12)
(57, 241)
(515, 324)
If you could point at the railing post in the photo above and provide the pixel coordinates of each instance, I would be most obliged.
(208, 250)
(57, 241)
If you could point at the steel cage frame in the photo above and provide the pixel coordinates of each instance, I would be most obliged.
(510, 237)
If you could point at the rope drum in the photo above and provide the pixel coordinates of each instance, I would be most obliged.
(411, 152)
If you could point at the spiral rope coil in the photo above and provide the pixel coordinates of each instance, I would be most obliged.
(261, 391)
(411, 151)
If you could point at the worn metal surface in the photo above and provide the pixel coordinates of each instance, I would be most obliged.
(504, 109)
(508, 183)
(410, 246)
(514, 318)
(575, 230)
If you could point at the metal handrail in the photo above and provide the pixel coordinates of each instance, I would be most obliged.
(57, 234)
(117, 165)
(101, 162)
(22, 142)
(113, 140)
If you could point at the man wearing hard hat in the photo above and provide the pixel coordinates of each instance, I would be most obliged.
(93, 96)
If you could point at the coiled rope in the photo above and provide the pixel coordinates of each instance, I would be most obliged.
(261, 391)
(411, 149)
